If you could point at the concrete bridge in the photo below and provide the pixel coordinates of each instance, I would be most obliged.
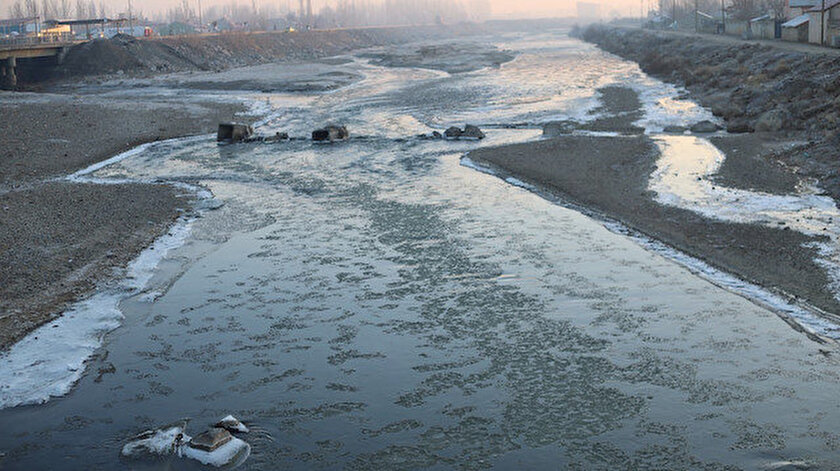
(29, 48)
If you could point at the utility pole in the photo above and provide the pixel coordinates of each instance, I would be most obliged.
(696, 17)
(723, 16)
(200, 19)
(130, 22)
(674, 14)
(822, 24)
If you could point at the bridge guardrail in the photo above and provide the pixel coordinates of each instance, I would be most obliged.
(21, 42)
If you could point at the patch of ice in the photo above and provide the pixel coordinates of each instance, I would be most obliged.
(48, 361)
(162, 441)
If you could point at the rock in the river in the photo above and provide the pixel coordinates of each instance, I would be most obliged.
(469, 132)
(233, 132)
(215, 447)
(232, 424)
(675, 129)
(704, 127)
(472, 132)
(330, 133)
(559, 128)
(162, 441)
(453, 132)
(211, 439)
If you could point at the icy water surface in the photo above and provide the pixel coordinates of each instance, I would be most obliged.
(375, 305)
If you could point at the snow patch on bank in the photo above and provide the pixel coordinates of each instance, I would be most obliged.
(50, 360)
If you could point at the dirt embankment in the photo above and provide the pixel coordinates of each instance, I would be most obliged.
(752, 86)
(132, 56)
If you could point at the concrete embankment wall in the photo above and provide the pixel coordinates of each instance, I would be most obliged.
(128, 55)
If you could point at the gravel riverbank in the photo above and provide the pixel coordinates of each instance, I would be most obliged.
(59, 239)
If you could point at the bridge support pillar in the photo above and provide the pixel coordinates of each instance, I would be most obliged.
(7, 74)
(59, 58)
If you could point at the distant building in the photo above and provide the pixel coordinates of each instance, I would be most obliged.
(16, 27)
(589, 11)
(824, 24)
(796, 30)
(800, 7)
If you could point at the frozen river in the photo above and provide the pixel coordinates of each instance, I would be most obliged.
(377, 305)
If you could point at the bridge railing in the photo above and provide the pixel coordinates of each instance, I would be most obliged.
(33, 41)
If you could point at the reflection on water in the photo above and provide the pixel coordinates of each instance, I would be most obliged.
(375, 305)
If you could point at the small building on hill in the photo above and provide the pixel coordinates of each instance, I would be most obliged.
(796, 30)
(762, 27)
(824, 26)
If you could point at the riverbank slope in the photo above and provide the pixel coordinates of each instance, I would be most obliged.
(753, 86)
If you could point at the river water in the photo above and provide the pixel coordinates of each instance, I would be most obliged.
(375, 304)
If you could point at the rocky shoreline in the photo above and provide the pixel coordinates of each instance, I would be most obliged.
(753, 87)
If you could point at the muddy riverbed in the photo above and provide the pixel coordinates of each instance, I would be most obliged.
(378, 304)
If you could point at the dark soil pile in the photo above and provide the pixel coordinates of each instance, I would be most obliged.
(222, 51)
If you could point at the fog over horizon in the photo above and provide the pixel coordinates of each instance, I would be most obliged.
(500, 9)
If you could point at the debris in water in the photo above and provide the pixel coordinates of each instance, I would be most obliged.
(214, 447)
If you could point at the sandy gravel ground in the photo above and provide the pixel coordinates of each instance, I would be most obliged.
(58, 240)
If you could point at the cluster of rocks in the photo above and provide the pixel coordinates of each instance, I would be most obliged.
(703, 127)
(235, 133)
(454, 133)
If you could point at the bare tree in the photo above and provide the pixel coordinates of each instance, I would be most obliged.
(16, 10)
(31, 8)
(778, 7)
(745, 9)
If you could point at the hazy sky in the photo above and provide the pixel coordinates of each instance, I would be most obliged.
(501, 8)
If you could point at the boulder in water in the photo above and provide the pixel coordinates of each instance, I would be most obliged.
(330, 133)
(675, 129)
(233, 132)
(739, 127)
(559, 128)
(469, 132)
(453, 132)
(472, 132)
(211, 439)
(704, 127)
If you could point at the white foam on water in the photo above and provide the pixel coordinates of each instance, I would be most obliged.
(799, 315)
